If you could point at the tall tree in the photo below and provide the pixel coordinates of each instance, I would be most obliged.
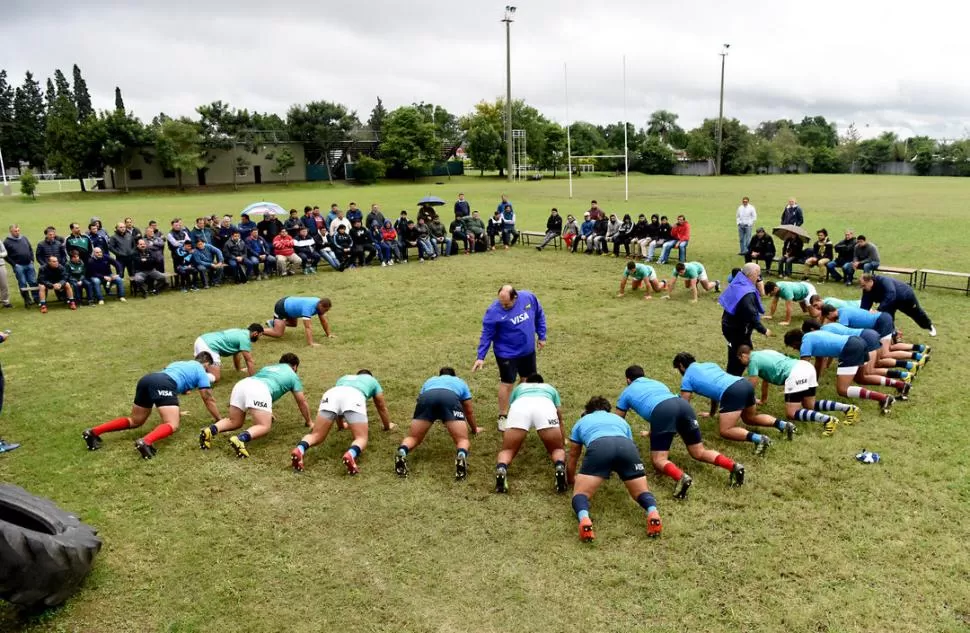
(268, 122)
(62, 137)
(736, 151)
(767, 129)
(82, 98)
(62, 86)
(321, 126)
(6, 118)
(585, 139)
(29, 122)
(554, 156)
(178, 146)
(284, 162)
(815, 131)
(125, 138)
(483, 136)
(409, 141)
(119, 102)
(446, 128)
(377, 117)
(225, 129)
(663, 123)
(49, 96)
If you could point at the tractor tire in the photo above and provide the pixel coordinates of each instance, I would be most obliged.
(45, 553)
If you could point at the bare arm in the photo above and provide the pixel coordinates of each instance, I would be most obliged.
(622, 285)
(787, 312)
(774, 306)
(210, 403)
(572, 461)
(764, 390)
(469, 410)
(250, 363)
(308, 330)
(326, 325)
(693, 290)
(304, 408)
(381, 404)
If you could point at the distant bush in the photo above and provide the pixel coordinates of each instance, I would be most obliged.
(367, 170)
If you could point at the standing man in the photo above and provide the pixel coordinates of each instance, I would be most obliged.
(553, 228)
(121, 244)
(374, 217)
(745, 216)
(79, 242)
(234, 342)
(269, 227)
(21, 255)
(462, 208)
(792, 214)
(893, 295)
(51, 245)
(511, 323)
(595, 213)
(176, 238)
(742, 314)
(288, 309)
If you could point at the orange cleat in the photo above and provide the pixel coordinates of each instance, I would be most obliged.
(586, 530)
(653, 524)
(296, 458)
(350, 463)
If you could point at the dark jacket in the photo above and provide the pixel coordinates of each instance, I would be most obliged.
(98, 240)
(156, 246)
(204, 234)
(293, 225)
(222, 235)
(245, 228)
(372, 217)
(437, 229)
(103, 267)
(310, 223)
(45, 249)
(600, 227)
(641, 230)
(144, 262)
(48, 275)
(81, 244)
(746, 317)
(401, 226)
(75, 272)
(663, 231)
(233, 249)
(340, 242)
(626, 230)
(258, 246)
(268, 229)
(360, 236)
(793, 215)
(462, 208)
(554, 224)
(792, 247)
(19, 250)
(121, 246)
(867, 254)
(889, 293)
(175, 239)
(764, 246)
(822, 251)
(844, 251)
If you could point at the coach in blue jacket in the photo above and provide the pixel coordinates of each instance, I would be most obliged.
(511, 326)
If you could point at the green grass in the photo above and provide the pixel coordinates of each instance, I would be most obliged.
(202, 542)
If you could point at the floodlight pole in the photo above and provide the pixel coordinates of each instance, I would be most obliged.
(509, 12)
(626, 150)
(720, 114)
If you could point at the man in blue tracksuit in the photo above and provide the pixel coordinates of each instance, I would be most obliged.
(511, 324)
(892, 295)
(208, 260)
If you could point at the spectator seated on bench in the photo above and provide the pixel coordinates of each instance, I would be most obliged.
(761, 249)
(865, 258)
(679, 237)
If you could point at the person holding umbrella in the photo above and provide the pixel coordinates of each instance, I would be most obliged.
(791, 250)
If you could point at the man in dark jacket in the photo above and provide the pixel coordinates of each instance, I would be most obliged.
(761, 248)
(742, 314)
(462, 208)
(258, 252)
(309, 222)
(306, 249)
(21, 257)
(374, 217)
(246, 226)
(599, 236)
(363, 250)
(661, 235)
(792, 214)
(553, 228)
(104, 271)
(50, 245)
(121, 244)
(342, 246)
(235, 253)
(843, 255)
(53, 276)
(892, 295)
(146, 278)
(269, 228)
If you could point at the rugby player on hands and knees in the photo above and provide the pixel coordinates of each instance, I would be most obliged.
(235, 342)
(643, 277)
(288, 309)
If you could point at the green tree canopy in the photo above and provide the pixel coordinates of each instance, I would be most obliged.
(321, 126)
(178, 146)
(409, 142)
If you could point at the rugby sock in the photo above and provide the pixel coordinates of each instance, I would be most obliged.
(753, 437)
(807, 415)
(502, 466)
(402, 450)
(647, 502)
(780, 424)
(462, 453)
(919, 348)
(897, 373)
(724, 462)
(832, 405)
(865, 394)
(559, 463)
(889, 382)
(244, 437)
(303, 447)
(118, 424)
(905, 364)
(581, 506)
(214, 430)
(917, 356)
(670, 469)
(354, 450)
(160, 432)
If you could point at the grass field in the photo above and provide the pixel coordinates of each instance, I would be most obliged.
(203, 542)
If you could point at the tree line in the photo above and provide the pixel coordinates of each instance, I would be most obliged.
(58, 129)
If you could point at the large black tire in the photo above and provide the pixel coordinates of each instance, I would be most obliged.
(45, 552)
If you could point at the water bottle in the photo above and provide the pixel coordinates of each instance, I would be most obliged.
(867, 457)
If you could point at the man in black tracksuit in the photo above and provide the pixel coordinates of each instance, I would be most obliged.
(742, 314)
(761, 248)
(553, 228)
(363, 245)
(844, 251)
(892, 295)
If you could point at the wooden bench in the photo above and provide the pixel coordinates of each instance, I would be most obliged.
(526, 237)
(926, 272)
(899, 270)
(776, 262)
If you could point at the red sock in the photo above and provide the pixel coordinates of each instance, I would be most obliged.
(866, 394)
(723, 462)
(160, 432)
(672, 471)
(118, 424)
(898, 384)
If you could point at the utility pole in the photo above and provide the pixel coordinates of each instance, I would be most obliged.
(509, 12)
(720, 114)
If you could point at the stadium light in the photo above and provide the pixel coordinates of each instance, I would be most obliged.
(720, 114)
(509, 12)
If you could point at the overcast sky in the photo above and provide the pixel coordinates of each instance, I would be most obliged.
(886, 65)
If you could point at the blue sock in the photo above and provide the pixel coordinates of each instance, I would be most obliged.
(780, 424)
(919, 348)
(905, 364)
(213, 429)
(462, 453)
(245, 437)
(807, 415)
(830, 405)
(581, 506)
(559, 463)
(501, 466)
(647, 502)
(402, 450)
(355, 450)
(917, 356)
(303, 447)
(753, 437)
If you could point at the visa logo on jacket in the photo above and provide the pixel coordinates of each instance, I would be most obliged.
(520, 318)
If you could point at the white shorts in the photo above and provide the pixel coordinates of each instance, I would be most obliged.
(201, 346)
(801, 378)
(811, 292)
(250, 393)
(847, 371)
(703, 275)
(532, 412)
(345, 402)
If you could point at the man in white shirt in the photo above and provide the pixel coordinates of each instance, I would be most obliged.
(746, 217)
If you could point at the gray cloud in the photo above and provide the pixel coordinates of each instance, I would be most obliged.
(885, 65)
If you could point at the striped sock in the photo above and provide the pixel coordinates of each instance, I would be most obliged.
(831, 405)
(865, 394)
(807, 415)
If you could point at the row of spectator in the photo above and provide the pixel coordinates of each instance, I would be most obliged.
(839, 261)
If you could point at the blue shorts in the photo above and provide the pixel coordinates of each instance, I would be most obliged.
(854, 353)
(884, 325)
(872, 340)
(439, 404)
(673, 416)
(737, 397)
(613, 454)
